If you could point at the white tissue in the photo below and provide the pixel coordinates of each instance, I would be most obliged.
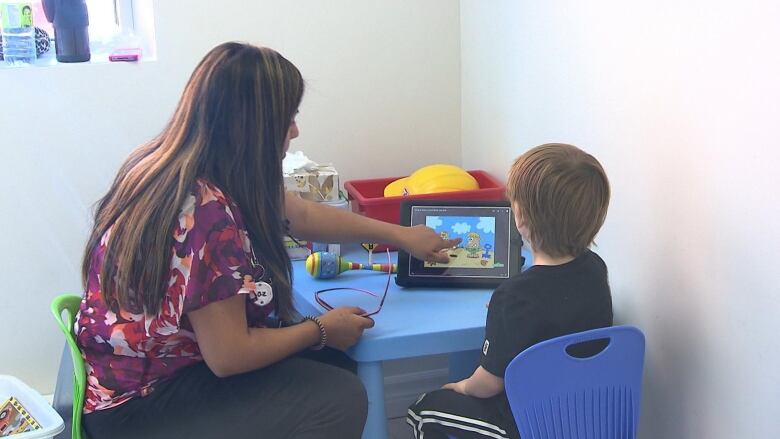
(297, 160)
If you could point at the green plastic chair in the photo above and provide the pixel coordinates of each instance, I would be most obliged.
(68, 305)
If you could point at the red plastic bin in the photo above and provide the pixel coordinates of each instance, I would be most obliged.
(367, 196)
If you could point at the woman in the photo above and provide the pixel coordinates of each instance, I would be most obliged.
(187, 321)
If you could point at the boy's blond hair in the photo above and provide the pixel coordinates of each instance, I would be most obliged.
(562, 195)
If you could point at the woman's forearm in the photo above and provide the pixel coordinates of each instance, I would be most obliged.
(265, 346)
(320, 222)
(229, 347)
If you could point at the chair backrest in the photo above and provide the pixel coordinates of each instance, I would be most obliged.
(556, 395)
(65, 308)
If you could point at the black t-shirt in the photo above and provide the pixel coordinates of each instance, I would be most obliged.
(545, 302)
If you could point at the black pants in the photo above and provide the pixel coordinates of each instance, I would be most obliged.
(446, 412)
(296, 398)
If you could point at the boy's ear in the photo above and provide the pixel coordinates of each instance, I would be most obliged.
(519, 222)
(516, 213)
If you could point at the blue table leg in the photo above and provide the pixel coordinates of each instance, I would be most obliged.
(372, 377)
(463, 364)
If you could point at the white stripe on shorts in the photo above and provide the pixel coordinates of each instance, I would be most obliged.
(462, 426)
(463, 419)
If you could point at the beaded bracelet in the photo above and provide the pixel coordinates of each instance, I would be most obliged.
(323, 335)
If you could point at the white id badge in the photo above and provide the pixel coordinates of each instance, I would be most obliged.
(264, 294)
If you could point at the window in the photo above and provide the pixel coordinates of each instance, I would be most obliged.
(104, 24)
(113, 24)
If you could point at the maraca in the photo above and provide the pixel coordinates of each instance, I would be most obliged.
(324, 265)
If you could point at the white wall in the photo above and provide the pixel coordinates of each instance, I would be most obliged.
(383, 95)
(680, 101)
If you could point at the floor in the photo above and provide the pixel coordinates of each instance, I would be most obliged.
(399, 429)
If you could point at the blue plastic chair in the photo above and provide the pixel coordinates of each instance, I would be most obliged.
(554, 395)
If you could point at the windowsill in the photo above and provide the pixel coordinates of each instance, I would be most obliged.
(49, 59)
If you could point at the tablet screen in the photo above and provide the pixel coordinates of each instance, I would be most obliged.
(484, 231)
(489, 252)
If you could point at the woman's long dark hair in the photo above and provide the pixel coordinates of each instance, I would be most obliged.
(229, 128)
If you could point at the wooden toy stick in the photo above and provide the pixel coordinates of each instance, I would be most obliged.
(369, 247)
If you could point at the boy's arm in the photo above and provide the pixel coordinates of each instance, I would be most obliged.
(481, 384)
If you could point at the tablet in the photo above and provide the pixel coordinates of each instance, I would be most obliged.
(488, 254)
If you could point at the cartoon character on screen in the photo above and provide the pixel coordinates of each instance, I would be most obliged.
(486, 256)
(473, 246)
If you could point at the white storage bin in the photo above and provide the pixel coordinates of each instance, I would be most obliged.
(50, 421)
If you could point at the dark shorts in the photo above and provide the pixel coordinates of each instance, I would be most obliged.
(441, 413)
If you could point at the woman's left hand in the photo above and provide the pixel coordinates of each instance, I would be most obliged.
(426, 245)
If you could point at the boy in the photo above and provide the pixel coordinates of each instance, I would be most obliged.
(559, 196)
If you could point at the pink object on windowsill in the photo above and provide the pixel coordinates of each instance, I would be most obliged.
(125, 55)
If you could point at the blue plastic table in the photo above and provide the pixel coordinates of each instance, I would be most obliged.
(414, 322)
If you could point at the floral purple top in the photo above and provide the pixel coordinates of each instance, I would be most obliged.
(211, 260)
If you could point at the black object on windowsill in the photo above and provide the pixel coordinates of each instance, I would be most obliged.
(71, 22)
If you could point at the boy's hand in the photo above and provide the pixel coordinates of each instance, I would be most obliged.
(459, 387)
(482, 384)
